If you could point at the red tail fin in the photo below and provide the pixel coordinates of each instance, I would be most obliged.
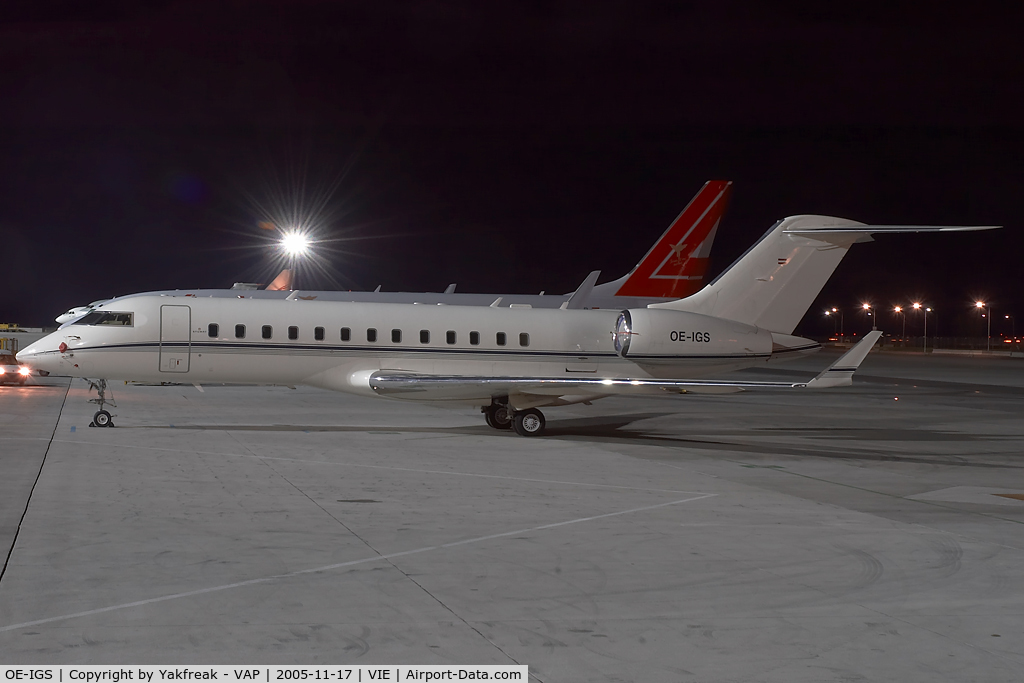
(674, 267)
(282, 281)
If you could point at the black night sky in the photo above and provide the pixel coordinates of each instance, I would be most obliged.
(508, 147)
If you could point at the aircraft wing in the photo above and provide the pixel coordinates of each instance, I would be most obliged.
(398, 384)
(424, 387)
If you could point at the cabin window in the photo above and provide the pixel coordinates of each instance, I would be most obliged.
(524, 339)
(239, 331)
(371, 335)
(106, 318)
(474, 338)
(293, 333)
(318, 333)
(500, 339)
(396, 336)
(449, 336)
(268, 331)
(424, 336)
(213, 329)
(346, 334)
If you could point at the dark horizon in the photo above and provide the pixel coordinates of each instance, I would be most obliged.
(506, 151)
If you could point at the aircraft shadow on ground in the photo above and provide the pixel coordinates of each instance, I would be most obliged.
(619, 429)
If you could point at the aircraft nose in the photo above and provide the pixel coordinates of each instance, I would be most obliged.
(40, 354)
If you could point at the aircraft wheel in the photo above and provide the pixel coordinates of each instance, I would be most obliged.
(101, 418)
(498, 416)
(529, 422)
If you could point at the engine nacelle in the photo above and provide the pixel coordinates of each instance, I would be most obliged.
(659, 336)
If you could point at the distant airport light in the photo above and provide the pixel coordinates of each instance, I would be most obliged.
(980, 305)
(898, 309)
(866, 307)
(917, 306)
(295, 244)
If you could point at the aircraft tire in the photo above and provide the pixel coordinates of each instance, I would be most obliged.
(498, 417)
(529, 422)
(101, 418)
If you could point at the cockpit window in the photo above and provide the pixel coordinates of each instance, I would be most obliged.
(106, 318)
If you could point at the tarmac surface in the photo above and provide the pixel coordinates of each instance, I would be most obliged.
(838, 535)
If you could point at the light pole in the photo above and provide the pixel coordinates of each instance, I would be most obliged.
(833, 312)
(899, 311)
(918, 307)
(980, 305)
(867, 310)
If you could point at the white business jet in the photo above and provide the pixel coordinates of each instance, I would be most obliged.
(508, 361)
(673, 268)
(79, 311)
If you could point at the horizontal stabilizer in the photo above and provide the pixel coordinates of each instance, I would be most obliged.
(840, 373)
(844, 235)
(888, 229)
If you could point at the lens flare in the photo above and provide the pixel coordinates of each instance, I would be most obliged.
(295, 244)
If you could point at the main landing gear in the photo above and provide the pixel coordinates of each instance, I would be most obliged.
(500, 415)
(101, 418)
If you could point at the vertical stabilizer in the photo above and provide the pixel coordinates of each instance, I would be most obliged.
(774, 283)
(282, 282)
(675, 265)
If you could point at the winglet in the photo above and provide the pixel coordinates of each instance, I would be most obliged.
(675, 265)
(582, 293)
(840, 373)
(450, 289)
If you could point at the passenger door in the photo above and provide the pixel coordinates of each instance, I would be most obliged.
(175, 338)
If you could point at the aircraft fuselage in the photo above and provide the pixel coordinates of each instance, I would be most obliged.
(337, 345)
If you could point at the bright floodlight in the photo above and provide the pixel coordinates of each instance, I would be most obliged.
(979, 304)
(917, 306)
(295, 244)
(898, 309)
(866, 307)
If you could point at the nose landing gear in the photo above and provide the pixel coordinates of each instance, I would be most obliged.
(101, 418)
